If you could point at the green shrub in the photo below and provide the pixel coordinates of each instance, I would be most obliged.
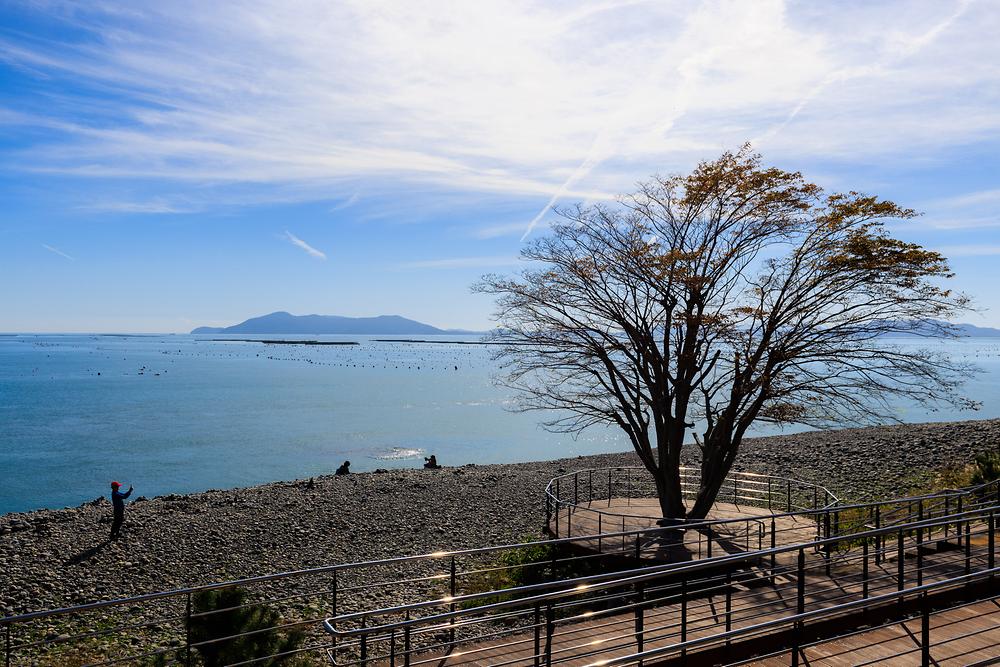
(987, 468)
(532, 564)
(227, 613)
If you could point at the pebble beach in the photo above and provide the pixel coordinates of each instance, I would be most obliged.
(56, 558)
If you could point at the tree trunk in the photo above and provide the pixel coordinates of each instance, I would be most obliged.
(668, 491)
(714, 469)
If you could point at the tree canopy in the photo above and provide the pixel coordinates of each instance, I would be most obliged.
(734, 294)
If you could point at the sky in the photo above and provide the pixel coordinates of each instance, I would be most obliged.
(166, 165)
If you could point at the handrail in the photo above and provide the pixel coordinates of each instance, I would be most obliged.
(424, 571)
(177, 592)
(581, 584)
(835, 610)
(435, 555)
(686, 472)
(944, 493)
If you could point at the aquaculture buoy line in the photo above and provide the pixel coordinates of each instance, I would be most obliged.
(413, 355)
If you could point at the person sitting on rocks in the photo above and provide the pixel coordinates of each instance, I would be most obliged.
(344, 469)
(431, 463)
(118, 502)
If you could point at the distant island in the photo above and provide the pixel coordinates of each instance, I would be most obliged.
(395, 325)
(286, 323)
(967, 331)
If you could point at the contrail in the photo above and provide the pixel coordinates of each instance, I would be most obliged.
(58, 252)
(296, 241)
(911, 46)
(588, 164)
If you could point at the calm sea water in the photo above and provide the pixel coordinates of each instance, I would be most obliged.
(175, 414)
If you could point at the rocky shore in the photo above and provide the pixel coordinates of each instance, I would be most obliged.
(55, 558)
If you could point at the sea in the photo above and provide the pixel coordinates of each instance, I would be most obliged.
(186, 413)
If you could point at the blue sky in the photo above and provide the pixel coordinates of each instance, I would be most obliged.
(173, 164)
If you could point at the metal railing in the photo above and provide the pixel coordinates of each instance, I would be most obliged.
(160, 624)
(797, 624)
(144, 627)
(551, 622)
(600, 498)
(588, 489)
(915, 640)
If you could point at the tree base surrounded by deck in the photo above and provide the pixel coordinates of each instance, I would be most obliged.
(745, 528)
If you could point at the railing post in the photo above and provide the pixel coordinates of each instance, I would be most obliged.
(556, 504)
(864, 570)
(925, 634)
(576, 488)
(333, 639)
(900, 557)
(788, 495)
(991, 562)
(769, 494)
(958, 526)
(774, 537)
(920, 517)
(392, 648)
(187, 631)
(879, 539)
(549, 629)
(548, 512)
(947, 502)
(800, 604)
(684, 616)
(729, 604)
(801, 583)
(638, 546)
(364, 641)
(639, 619)
(968, 546)
(590, 488)
(452, 589)
(538, 635)
(827, 548)
(7, 643)
(609, 487)
(406, 642)
(920, 557)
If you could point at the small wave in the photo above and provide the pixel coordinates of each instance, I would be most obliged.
(399, 453)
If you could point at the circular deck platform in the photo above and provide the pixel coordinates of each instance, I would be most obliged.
(616, 510)
(628, 526)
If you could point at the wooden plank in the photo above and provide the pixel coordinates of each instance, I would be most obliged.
(961, 636)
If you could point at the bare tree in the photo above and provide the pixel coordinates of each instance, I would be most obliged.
(735, 294)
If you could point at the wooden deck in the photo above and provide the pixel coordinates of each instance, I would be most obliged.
(750, 531)
(968, 635)
(593, 636)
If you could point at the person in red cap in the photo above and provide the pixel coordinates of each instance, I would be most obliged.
(118, 501)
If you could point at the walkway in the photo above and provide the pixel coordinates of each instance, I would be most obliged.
(967, 635)
(591, 635)
(748, 528)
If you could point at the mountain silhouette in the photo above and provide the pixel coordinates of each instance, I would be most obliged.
(286, 323)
